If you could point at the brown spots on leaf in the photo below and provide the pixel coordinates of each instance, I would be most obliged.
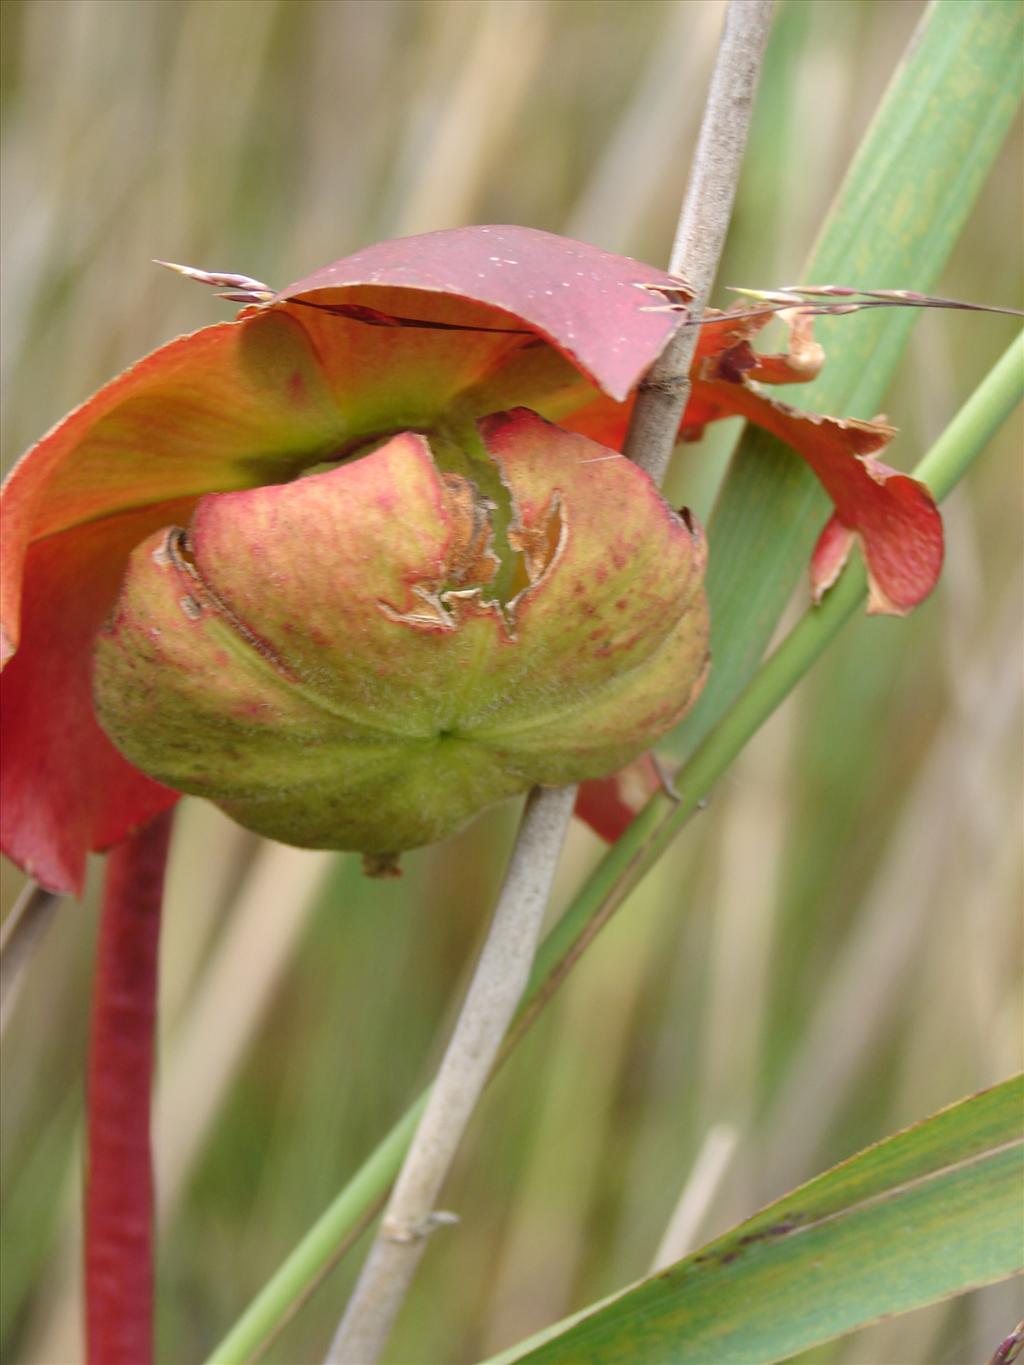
(733, 1250)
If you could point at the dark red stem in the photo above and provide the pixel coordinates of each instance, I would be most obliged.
(119, 1184)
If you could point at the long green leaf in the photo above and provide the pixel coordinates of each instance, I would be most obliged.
(928, 1213)
(901, 208)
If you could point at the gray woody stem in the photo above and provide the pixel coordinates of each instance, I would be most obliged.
(703, 223)
(498, 983)
(504, 965)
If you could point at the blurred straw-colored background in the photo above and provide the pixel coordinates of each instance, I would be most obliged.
(834, 947)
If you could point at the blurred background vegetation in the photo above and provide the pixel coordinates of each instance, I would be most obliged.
(832, 950)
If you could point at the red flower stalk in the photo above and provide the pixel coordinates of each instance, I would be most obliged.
(427, 335)
(119, 1186)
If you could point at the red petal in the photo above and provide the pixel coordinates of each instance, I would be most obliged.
(227, 407)
(231, 406)
(893, 516)
(609, 805)
(66, 788)
(595, 307)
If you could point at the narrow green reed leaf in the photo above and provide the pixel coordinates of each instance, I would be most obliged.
(628, 860)
(898, 214)
(928, 1213)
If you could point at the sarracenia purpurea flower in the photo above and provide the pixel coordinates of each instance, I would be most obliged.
(366, 559)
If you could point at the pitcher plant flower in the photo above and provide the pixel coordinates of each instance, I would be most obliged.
(367, 558)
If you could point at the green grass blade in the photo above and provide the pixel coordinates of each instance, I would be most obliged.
(627, 861)
(923, 1215)
(899, 212)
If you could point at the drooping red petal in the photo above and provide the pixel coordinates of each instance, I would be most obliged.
(66, 789)
(228, 407)
(605, 312)
(609, 805)
(892, 515)
(231, 406)
(119, 1185)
